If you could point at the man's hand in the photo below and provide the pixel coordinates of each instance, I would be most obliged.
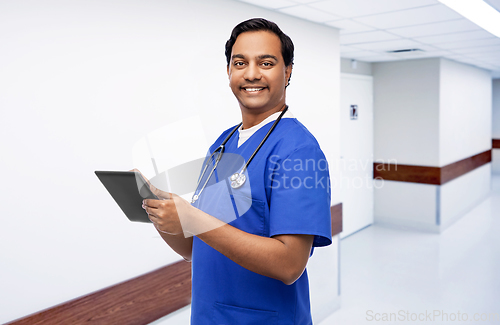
(159, 193)
(165, 213)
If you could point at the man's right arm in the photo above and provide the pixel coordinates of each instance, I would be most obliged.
(180, 244)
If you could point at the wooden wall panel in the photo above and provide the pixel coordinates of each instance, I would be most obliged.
(457, 169)
(137, 301)
(430, 175)
(407, 173)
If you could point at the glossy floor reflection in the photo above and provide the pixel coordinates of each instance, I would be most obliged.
(418, 277)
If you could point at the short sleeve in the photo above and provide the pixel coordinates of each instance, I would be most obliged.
(300, 194)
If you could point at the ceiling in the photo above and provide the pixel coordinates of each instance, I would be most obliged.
(371, 29)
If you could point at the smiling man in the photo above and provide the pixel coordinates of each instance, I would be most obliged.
(258, 74)
(249, 265)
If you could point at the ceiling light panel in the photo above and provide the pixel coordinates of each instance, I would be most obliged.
(303, 11)
(366, 37)
(494, 3)
(455, 37)
(348, 26)
(445, 27)
(357, 8)
(417, 16)
(274, 4)
(477, 11)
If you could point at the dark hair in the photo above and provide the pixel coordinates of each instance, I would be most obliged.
(261, 24)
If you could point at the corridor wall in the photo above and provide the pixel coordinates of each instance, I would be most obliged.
(429, 115)
(495, 163)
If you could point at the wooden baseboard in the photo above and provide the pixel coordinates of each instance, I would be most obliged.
(141, 300)
(430, 175)
(495, 144)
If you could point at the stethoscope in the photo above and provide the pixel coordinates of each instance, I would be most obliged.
(237, 179)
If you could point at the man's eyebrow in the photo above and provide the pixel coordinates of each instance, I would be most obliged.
(267, 56)
(237, 56)
(260, 57)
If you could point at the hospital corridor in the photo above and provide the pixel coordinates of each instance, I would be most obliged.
(207, 162)
(408, 273)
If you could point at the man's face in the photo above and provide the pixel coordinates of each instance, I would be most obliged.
(257, 73)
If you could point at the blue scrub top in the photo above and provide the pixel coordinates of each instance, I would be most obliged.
(287, 192)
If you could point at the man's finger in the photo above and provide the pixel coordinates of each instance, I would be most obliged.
(151, 203)
(164, 195)
(138, 171)
(150, 211)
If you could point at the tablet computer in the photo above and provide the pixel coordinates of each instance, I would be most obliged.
(128, 189)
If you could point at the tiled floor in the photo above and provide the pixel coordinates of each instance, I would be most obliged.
(424, 278)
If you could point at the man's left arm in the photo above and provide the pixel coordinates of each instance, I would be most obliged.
(282, 257)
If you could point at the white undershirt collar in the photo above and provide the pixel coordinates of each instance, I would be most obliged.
(247, 133)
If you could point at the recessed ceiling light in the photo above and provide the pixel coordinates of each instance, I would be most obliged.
(477, 11)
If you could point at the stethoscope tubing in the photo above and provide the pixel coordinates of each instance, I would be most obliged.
(221, 149)
(264, 140)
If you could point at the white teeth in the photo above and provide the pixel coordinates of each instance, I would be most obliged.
(253, 89)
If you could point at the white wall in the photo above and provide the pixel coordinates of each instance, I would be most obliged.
(360, 67)
(430, 112)
(357, 152)
(81, 82)
(464, 111)
(463, 193)
(496, 108)
(464, 130)
(495, 159)
(406, 115)
(406, 204)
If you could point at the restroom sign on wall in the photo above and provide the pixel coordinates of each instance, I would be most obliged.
(354, 112)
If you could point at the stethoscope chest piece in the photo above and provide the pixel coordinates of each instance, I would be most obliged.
(237, 180)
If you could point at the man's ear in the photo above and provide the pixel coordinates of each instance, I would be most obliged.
(288, 73)
(228, 70)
